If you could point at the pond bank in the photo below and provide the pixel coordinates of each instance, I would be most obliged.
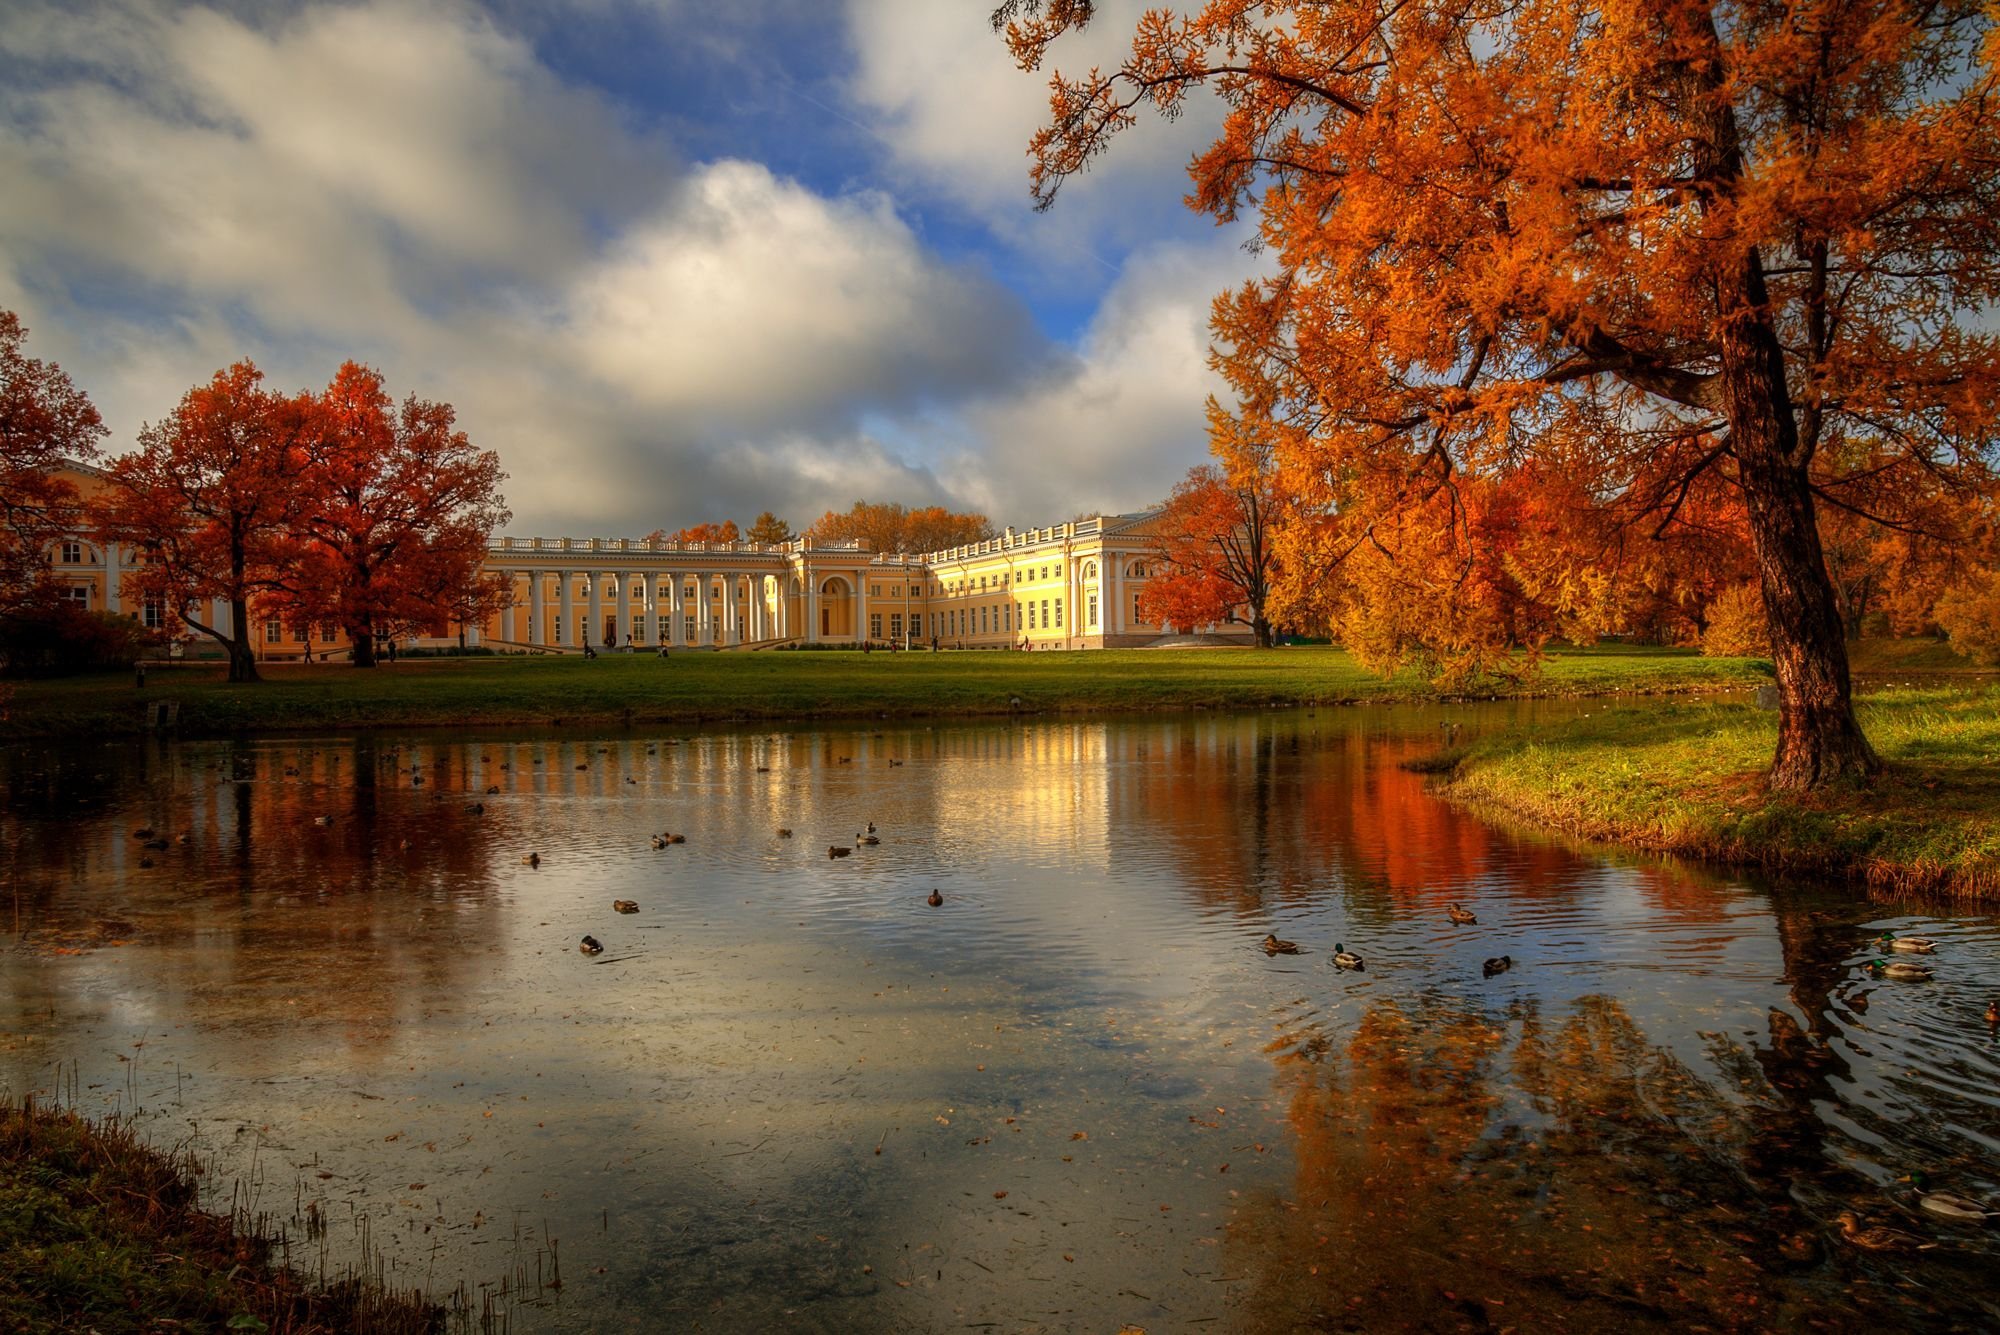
(693, 689)
(1686, 778)
(100, 1232)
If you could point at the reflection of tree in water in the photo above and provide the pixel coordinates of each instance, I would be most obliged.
(1458, 1173)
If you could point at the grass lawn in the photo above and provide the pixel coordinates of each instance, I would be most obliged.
(1686, 777)
(797, 686)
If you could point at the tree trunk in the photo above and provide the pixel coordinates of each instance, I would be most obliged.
(242, 656)
(1261, 628)
(362, 636)
(1819, 741)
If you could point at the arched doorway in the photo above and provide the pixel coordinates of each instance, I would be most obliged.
(836, 609)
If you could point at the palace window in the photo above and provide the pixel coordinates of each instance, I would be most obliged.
(1058, 614)
(1007, 614)
(1058, 570)
(153, 614)
(72, 553)
(1045, 572)
(638, 630)
(982, 621)
(1029, 622)
(1093, 610)
(874, 590)
(326, 633)
(1090, 570)
(688, 592)
(1137, 615)
(687, 636)
(274, 632)
(874, 625)
(78, 593)
(895, 625)
(1046, 623)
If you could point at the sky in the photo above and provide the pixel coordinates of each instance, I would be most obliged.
(673, 261)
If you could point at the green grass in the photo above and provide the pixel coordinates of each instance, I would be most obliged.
(1686, 777)
(708, 687)
(99, 1232)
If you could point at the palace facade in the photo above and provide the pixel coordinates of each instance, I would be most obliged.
(1073, 585)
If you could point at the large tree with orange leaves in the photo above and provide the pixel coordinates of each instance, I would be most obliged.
(208, 498)
(44, 419)
(1213, 555)
(1663, 239)
(398, 506)
(887, 526)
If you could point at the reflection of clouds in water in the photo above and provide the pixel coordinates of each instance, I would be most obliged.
(396, 995)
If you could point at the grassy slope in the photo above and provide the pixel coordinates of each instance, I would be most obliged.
(695, 687)
(1686, 777)
(100, 1233)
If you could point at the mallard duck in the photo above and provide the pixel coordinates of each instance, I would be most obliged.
(1461, 915)
(676, 838)
(590, 945)
(1879, 1237)
(493, 790)
(1901, 970)
(1909, 945)
(1993, 1011)
(870, 827)
(624, 906)
(784, 832)
(1273, 946)
(1947, 1203)
(836, 851)
(477, 808)
(1343, 958)
(532, 860)
(1498, 964)
(659, 842)
(867, 840)
(934, 899)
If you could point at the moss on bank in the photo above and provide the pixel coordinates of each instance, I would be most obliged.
(692, 688)
(1687, 777)
(99, 1232)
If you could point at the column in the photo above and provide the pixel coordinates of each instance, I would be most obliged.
(633, 586)
(593, 630)
(704, 607)
(113, 568)
(1111, 592)
(673, 606)
(861, 604)
(565, 608)
(536, 627)
(812, 607)
(758, 614)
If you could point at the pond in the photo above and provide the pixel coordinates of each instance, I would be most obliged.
(793, 1094)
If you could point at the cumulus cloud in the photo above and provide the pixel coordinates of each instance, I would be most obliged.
(647, 341)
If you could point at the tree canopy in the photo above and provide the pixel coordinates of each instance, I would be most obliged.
(1657, 249)
(44, 419)
(886, 526)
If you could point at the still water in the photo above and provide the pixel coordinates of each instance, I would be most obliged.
(791, 1094)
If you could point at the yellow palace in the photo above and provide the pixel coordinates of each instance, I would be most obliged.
(1073, 585)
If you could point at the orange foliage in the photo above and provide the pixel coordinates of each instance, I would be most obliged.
(1666, 252)
(44, 418)
(885, 526)
(1214, 560)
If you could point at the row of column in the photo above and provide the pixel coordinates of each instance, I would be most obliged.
(716, 621)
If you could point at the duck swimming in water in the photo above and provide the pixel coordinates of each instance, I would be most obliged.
(1498, 964)
(1273, 946)
(1461, 915)
(1993, 1011)
(1949, 1204)
(590, 945)
(934, 899)
(868, 840)
(624, 906)
(532, 860)
(836, 851)
(1908, 945)
(1901, 970)
(1879, 1237)
(784, 832)
(1343, 958)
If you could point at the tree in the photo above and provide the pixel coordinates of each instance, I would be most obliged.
(208, 498)
(1683, 241)
(44, 419)
(885, 526)
(770, 530)
(398, 508)
(725, 531)
(1213, 559)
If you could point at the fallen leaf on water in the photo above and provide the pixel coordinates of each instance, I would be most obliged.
(999, 1195)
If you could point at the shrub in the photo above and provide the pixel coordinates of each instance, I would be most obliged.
(59, 639)
(1969, 615)
(1736, 625)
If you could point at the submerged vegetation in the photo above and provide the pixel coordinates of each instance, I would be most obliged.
(692, 688)
(100, 1232)
(1686, 778)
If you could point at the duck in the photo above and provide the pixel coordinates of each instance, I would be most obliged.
(836, 851)
(477, 808)
(322, 820)
(590, 945)
(934, 898)
(1461, 915)
(867, 840)
(1273, 946)
(1909, 945)
(1902, 970)
(624, 906)
(1948, 1203)
(894, 763)
(532, 860)
(1343, 958)
(1879, 1237)
(1497, 965)
(659, 841)
(1993, 1011)
(675, 838)
(870, 827)
(784, 832)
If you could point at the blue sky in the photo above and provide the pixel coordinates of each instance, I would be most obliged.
(674, 261)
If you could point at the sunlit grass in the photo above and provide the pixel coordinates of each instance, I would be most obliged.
(693, 688)
(1686, 777)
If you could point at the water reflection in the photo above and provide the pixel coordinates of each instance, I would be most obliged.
(792, 1094)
